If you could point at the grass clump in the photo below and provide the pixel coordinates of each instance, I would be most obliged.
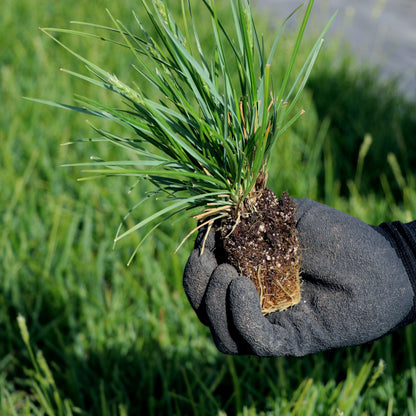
(205, 142)
(210, 135)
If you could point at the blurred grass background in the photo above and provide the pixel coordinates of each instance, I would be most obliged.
(110, 340)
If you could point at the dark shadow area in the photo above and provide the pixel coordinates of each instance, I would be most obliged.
(357, 103)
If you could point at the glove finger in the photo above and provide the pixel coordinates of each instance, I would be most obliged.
(204, 240)
(198, 271)
(217, 309)
(264, 338)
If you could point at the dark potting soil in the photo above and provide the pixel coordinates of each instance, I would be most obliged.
(264, 247)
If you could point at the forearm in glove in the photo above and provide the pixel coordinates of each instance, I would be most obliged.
(358, 284)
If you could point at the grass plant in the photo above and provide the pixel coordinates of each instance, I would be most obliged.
(117, 340)
(210, 133)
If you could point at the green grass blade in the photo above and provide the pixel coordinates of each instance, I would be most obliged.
(177, 207)
(296, 49)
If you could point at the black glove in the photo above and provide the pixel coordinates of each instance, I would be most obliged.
(358, 284)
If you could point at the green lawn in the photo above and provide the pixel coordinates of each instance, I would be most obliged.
(107, 339)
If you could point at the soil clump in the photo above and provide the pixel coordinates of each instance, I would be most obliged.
(263, 245)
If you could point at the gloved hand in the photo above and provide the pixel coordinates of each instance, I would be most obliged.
(355, 288)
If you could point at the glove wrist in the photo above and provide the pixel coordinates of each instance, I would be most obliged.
(402, 237)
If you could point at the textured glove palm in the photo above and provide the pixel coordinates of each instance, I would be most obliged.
(355, 289)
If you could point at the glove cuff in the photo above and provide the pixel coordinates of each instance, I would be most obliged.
(402, 237)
